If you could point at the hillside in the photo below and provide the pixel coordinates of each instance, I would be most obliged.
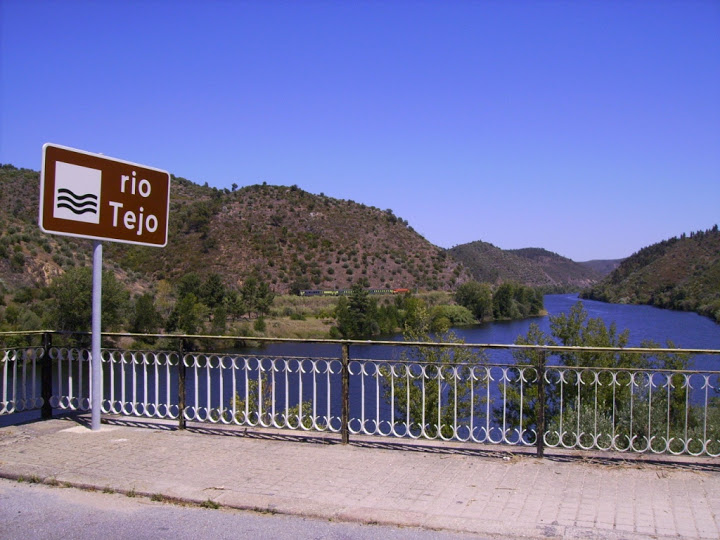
(535, 267)
(28, 256)
(285, 235)
(680, 273)
(602, 266)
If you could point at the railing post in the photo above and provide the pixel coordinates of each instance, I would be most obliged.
(46, 377)
(181, 386)
(345, 420)
(542, 359)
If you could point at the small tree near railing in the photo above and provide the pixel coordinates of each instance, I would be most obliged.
(433, 389)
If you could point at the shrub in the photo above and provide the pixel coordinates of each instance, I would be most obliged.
(260, 325)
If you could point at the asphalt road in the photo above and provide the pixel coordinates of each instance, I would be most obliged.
(38, 511)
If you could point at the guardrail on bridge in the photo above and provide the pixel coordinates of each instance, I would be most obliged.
(543, 397)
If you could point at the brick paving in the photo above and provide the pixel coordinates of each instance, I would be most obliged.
(500, 494)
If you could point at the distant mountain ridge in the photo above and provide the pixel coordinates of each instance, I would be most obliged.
(680, 273)
(535, 267)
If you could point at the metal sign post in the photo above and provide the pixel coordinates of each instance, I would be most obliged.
(92, 196)
(95, 355)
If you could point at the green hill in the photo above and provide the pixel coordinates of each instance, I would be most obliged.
(534, 267)
(680, 273)
(602, 266)
(286, 236)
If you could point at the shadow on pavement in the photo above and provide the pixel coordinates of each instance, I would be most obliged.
(504, 453)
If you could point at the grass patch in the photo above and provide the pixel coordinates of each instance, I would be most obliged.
(305, 306)
(289, 328)
(157, 497)
(33, 479)
(210, 504)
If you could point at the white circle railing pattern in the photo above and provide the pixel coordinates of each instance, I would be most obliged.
(586, 408)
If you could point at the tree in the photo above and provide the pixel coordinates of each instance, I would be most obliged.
(234, 304)
(264, 298)
(248, 294)
(512, 415)
(503, 303)
(71, 295)
(432, 390)
(190, 283)
(301, 283)
(454, 315)
(212, 291)
(16, 317)
(537, 302)
(477, 297)
(164, 300)
(12, 314)
(145, 318)
(255, 296)
(187, 315)
(598, 406)
(219, 320)
(515, 301)
(412, 312)
(576, 329)
(388, 318)
(357, 315)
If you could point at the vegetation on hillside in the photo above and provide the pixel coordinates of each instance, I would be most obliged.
(293, 239)
(229, 253)
(196, 304)
(533, 267)
(603, 266)
(193, 305)
(681, 273)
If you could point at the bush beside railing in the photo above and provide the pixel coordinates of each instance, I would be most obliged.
(583, 408)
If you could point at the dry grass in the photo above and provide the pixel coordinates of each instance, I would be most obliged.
(305, 306)
(310, 328)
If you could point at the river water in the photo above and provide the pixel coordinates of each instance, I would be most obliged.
(684, 329)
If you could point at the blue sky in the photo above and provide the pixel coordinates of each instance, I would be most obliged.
(589, 128)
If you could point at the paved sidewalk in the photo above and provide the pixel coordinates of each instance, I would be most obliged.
(491, 495)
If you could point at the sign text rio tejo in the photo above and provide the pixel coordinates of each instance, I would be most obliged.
(93, 196)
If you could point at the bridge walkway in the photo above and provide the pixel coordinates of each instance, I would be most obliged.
(489, 492)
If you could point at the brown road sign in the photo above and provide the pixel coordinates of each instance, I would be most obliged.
(93, 196)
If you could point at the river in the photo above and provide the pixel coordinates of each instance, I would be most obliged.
(684, 329)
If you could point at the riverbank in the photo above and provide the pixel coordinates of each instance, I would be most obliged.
(313, 317)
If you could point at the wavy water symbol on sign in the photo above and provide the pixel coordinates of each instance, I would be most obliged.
(77, 204)
(77, 192)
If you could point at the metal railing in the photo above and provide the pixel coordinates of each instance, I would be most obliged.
(426, 391)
